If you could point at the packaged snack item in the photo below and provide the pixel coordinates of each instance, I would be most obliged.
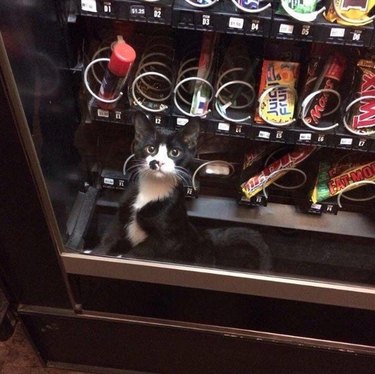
(256, 183)
(202, 92)
(363, 112)
(249, 4)
(252, 6)
(321, 102)
(332, 179)
(350, 12)
(256, 153)
(301, 10)
(254, 159)
(277, 94)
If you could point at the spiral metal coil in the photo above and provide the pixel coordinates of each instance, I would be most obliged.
(235, 93)
(201, 4)
(153, 81)
(188, 82)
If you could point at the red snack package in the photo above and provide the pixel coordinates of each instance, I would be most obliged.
(329, 79)
(256, 183)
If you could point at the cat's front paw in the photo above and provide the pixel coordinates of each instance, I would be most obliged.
(121, 246)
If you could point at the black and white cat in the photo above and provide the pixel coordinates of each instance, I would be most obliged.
(152, 221)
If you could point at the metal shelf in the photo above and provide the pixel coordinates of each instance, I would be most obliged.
(297, 134)
(226, 18)
(280, 215)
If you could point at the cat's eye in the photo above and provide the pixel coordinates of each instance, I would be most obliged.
(174, 152)
(150, 149)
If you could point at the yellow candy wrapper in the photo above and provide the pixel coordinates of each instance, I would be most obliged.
(277, 107)
(350, 12)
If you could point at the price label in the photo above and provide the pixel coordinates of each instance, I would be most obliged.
(137, 10)
(182, 121)
(286, 29)
(89, 6)
(264, 134)
(103, 113)
(109, 181)
(346, 141)
(305, 137)
(337, 32)
(236, 23)
(223, 126)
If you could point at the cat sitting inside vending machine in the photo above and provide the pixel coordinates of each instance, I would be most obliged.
(152, 222)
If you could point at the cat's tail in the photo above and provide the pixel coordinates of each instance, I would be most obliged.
(239, 247)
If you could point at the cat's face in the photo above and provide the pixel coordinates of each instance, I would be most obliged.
(163, 154)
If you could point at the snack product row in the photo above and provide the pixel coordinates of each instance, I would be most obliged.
(316, 179)
(213, 76)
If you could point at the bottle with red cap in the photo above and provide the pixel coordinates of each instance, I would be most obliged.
(116, 74)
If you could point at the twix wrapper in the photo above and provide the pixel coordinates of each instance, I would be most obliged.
(329, 79)
(363, 113)
(278, 106)
(333, 179)
(256, 183)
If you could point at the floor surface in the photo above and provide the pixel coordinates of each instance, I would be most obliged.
(18, 357)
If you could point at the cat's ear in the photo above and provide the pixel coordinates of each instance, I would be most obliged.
(190, 132)
(143, 127)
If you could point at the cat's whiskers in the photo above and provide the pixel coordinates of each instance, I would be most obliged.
(183, 177)
(183, 174)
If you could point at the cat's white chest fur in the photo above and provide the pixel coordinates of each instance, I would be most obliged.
(150, 189)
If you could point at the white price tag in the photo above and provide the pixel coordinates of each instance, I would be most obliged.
(337, 32)
(264, 134)
(89, 6)
(182, 121)
(346, 141)
(286, 29)
(223, 126)
(109, 181)
(316, 206)
(305, 136)
(103, 113)
(236, 23)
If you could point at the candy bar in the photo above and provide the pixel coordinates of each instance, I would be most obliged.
(256, 183)
(329, 79)
(278, 105)
(363, 113)
(333, 179)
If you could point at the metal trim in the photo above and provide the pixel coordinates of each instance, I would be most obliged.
(33, 162)
(281, 287)
(191, 326)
